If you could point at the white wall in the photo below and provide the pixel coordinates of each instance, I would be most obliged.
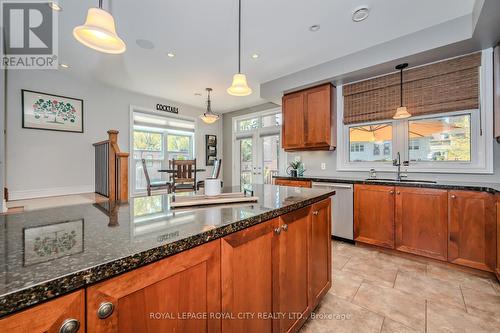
(2, 139)
(45, 163)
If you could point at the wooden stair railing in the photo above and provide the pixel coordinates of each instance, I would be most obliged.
(111, 168)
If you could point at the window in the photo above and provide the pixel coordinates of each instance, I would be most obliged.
(248, 124)
(371, 137)
(445, 139)
(179, 147)
(273, 120)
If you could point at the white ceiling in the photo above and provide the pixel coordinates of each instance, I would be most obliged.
(203, 36)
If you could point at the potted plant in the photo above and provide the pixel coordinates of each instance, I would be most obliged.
(295, 169)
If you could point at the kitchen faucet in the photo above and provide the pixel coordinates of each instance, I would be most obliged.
(397, 162)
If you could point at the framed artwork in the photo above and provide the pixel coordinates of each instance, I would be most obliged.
(211, 149)
(52, 241)
(52, 112)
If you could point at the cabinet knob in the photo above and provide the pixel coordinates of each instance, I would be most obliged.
(70, 326)
(453, 196)
(105, 310)
(315, 212)
(284, 227)
(391, 192)
(277, 230)
(398, 192)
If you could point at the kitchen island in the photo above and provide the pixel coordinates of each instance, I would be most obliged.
(145, 267)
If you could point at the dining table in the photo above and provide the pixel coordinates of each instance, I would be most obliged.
(173, 170)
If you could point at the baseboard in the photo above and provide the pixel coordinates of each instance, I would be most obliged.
(49, 192)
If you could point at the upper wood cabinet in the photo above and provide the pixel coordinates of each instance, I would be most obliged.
(422, 221)
(157, 297)
(64, 312)
(374, 215)
(497, 269)
(309, 119)
(320, 253)
(296, 183)
(472, 229)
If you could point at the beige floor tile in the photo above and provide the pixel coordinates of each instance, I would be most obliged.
(431, 289)
(339, 261)
(337, 315)
(395, 304)
(372, 269)
(464, 279)
(443, 318)
(350, 250)
(475, 300)
(391, 326)
(404, 264)
(496, 287)
(345, 284)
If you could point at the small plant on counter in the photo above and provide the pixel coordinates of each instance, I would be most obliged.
(295, 169)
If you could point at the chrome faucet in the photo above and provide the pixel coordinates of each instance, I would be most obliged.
(397, 163)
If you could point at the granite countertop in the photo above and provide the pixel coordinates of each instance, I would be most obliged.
(466, 186)
(51, 252)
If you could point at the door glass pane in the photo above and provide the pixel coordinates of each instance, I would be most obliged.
(370, 143)
(440, 139)
(246, 161)
(147, 145)
(270, 157)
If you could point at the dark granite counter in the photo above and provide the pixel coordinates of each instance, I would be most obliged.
(466, 186)
(51, 252)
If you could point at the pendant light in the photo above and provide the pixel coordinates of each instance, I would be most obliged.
(209, 117)
(99, 32)
(401, 112)
(239, 86)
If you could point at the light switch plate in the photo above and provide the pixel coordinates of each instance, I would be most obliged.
(323, 166)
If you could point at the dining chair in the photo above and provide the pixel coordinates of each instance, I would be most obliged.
(155, 185)
(215, 173)
(183, 175)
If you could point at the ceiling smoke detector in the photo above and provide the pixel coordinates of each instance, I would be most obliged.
(360, 14)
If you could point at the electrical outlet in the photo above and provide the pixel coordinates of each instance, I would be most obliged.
(323, 166)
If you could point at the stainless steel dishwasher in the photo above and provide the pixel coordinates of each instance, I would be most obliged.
(342, 209)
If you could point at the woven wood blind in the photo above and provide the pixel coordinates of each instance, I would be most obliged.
(446, 86)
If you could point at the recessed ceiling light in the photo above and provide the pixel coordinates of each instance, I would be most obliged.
(255, 56)
(145, 44)
(360, 14)
(55, 6)
(170, 55)
(64, 66)
(314, 27)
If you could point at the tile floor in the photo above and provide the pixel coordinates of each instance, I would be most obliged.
(18, 206)
(376, 291)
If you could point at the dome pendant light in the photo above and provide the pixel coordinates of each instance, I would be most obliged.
(99, 32)
(401, 112)
(239, 86)
(209, 117)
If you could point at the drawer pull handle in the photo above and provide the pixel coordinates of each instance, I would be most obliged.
(105, 310)
(453, 196)
(277, 230)
(284, 227)
(315, 212)
(70, 326)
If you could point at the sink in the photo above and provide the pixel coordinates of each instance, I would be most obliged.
(400, 181)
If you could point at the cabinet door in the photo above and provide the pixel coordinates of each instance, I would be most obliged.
(320, 253)
(422, 222)
(472, 229)
(374, 215)
(290, 273)
(247, 279)
(497, 270)
(293, 121)
(318, 116)
(161, 297)
(48, 317)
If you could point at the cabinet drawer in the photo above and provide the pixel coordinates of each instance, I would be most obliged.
(296, 183)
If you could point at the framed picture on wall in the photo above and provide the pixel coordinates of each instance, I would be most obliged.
(210, 149)
(51, 112)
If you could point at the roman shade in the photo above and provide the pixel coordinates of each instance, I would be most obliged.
(446, 86)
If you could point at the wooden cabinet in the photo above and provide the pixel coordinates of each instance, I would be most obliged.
(422, 221)
(49, 317)
(320, 253)
(472, 229)
(247, 263)
(497, 270)
(176, 294)
(290, 273)
(309, 119)
(374, 215)
(296, 183)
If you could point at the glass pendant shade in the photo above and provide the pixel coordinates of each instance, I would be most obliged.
(401, 113)
(209, 118)
(99, 32)
(239, 86)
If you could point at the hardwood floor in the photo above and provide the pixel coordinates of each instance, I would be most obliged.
(376, 291)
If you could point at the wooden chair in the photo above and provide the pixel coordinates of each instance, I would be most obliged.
(157, 185)
(184, 175)
(215, 173)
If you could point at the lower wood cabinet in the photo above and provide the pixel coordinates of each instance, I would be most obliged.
(66, 312)
(497, 270)
(422, 221)
(161, 297)
(472, 229)
(374, 215)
